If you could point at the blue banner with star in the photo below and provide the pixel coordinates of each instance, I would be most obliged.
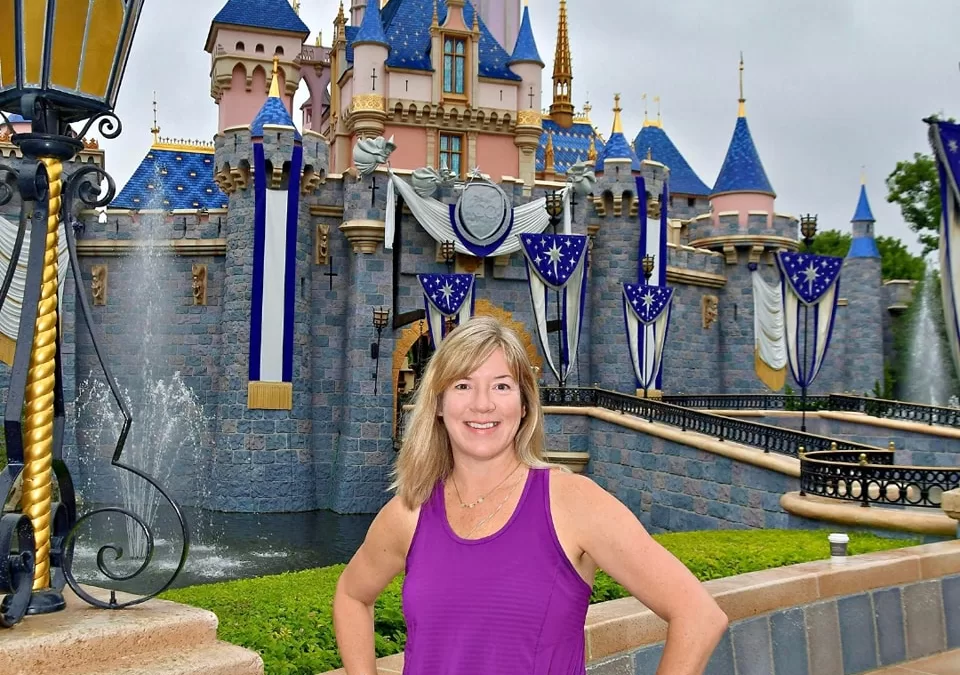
(646, 313)
(945, 140)
(557, 262)
(449, 301)
(809, 288)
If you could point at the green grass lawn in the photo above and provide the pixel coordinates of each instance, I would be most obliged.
(287, 618)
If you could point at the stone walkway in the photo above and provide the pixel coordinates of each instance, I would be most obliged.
(947, 663)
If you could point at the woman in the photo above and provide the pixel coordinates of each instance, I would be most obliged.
(499, 548)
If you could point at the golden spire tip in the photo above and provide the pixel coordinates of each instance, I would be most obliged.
(742, 112)
(617, 123)
(155, 129)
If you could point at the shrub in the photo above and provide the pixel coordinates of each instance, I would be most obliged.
(288, 618)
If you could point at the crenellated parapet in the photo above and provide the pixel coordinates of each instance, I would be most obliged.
(760, 234)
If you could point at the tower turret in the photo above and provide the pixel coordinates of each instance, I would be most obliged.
(242, 42)
(370, 52)
(617, 154)
(526, 63)
(863, 244)
(502, 18)
(561, 109)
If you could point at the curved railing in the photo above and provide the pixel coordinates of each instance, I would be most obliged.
(763, 436)
(857, 477)
(875, 407)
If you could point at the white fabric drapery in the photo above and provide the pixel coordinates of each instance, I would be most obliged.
(434, 216)
(768, 331)
(10, 314)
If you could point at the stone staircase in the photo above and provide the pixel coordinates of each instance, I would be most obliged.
(155, 638)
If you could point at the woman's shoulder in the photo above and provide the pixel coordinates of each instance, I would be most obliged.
(396, 523)
(574, 491)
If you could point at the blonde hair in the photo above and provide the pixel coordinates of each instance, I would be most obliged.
(425, 456)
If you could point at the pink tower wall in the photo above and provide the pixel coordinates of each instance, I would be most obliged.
(502, 17)
(497, 156)
(744, 202)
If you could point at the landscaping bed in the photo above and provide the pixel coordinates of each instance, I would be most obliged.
(287, 618)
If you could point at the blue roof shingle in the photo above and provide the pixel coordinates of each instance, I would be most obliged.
(406, 24)
(569, 145)
(268, 14)
(683, 179)
(371, 28)
(863, 212)
(525, 48)
(742, 170)
(617, 147)
(273, 113)
(172, 179)
(863, 247)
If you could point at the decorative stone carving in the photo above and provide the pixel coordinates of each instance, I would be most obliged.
(322, 244)
(99, 285)
(364, 235)
(275, 178)
(529, 118)
(755, 252)
(373, 102)
(730, 254)
(369, 153)
(199, 284)
(427, 180)
(581, 178)
(653, 209)
(709, 309)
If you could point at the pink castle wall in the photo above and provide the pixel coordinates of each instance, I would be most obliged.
(411, 152)
(497, 156)
(744, 202)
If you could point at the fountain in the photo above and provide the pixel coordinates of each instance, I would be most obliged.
(927, 374)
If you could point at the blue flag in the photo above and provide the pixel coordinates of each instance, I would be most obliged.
(945, 139)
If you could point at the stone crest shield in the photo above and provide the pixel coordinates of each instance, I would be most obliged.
(482, 213)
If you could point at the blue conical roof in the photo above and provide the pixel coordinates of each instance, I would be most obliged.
(863, 213)
(371, 28)
(617, 147)
(274, 112)
(526, 46)
(266, 14)
(742, 170)
(683, 179)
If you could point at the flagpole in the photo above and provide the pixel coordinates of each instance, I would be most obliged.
(808, 229)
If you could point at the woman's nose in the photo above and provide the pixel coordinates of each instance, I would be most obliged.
(482, 401)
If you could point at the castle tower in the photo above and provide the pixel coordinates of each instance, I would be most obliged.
(264, 417)
(502, 18)
(561, 109)
(744, 226)
(370, 52)
(242, 42)
(861, 284)
(617, 157)
(527, 64)
(357, 11)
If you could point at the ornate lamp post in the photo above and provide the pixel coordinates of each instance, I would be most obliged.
(649, 261)
(448, 249)
(808, 230)
(61, 62)
(381, 317)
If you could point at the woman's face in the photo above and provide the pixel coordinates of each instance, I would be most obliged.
(482, 411)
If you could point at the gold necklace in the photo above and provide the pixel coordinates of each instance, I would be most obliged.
(480, 501)
(496, 511)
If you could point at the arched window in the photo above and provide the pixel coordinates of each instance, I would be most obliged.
(240, 47)
(454, 65)
(259, 49)
(279, 51)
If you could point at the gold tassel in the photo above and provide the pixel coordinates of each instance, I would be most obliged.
(270, 395)
(774, 379)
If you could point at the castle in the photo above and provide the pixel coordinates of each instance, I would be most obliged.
(455, 84)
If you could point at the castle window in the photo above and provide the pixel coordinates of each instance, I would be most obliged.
(240, 47)
(454, 65)
(279, 51)
(258, 49)
(451, 152)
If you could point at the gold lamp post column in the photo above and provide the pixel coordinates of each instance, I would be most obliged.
(61, 62)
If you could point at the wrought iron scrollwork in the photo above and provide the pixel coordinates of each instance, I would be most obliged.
(16, 567)
(81, 188)
(108, 124)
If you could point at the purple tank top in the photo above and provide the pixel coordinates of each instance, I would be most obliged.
(510, 603)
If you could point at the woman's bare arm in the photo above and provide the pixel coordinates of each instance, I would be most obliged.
(376, 563)
(618, 543)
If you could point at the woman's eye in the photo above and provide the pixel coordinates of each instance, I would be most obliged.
(504, 387)
(460, 386)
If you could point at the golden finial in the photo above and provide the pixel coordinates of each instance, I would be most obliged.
(650, 154)
(436, 17)
(592, 150)
(275, 82)
(743, 107)
(617, 123)
(155, 129)
(646, 117)
(656, 99)
(296, 7)
(549, 165)
(561, 108)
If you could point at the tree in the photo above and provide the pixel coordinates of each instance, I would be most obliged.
(915, 187)
(896, 262)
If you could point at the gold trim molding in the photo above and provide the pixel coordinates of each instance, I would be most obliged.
(326, 211)
(529, 118)
(745, 240)
(364, 235)
(364, 102)
(269, 395)
(111, 248)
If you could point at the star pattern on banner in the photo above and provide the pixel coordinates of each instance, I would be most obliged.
(555, 256)
(950, 138)
(446, 291)
(810, 275)
(648, 302)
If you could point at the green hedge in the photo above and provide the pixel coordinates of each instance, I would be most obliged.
(287, 618)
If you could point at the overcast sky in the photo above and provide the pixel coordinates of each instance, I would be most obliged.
(831, 85)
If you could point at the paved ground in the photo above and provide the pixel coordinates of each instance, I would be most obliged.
(947, 663)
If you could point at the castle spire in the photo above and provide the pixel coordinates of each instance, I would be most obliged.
(617, 122)
(742, 112)
(561, 110)
(155, 129)
(275, 80)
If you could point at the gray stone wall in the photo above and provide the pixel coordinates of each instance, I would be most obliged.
(846, 635)
(860, 283)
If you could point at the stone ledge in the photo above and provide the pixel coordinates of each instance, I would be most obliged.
(364, 235)
(112, 248)
(852, 514)
(679, 275)
(788, 466)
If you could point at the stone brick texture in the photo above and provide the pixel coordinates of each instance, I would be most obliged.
(843, 636)
(335, 448)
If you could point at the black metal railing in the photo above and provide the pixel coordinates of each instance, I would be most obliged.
(857, 477)
(875, 407)
(763, 436)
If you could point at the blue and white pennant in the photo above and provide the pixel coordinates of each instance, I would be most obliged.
(646, 312)
(445, 296)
